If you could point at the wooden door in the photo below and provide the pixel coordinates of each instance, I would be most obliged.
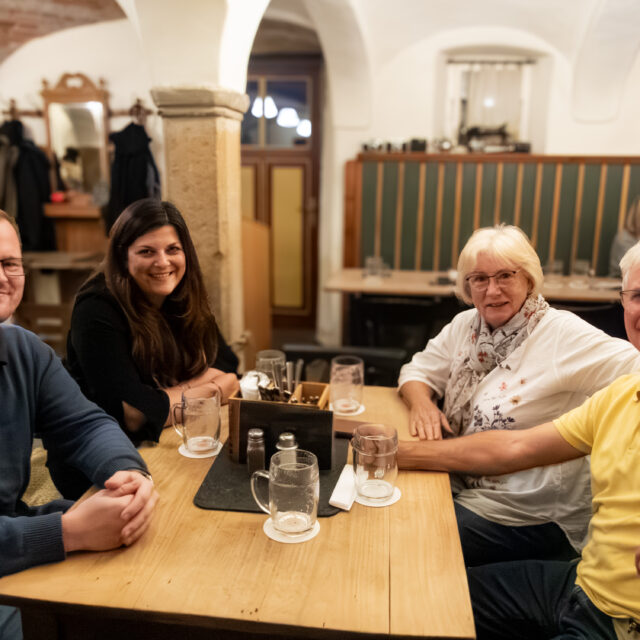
(280, 161)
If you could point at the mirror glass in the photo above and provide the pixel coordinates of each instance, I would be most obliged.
(77, 139)
(76, 114)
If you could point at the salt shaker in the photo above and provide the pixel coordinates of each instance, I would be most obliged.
(288, 445)
(255, 450)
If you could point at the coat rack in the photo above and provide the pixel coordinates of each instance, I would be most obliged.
(14, 113)
(138, 112)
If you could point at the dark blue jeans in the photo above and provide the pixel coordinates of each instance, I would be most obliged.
(10, 623)
(534, 600)
(486, 542)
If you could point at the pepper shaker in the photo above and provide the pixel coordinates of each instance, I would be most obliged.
(255, 450)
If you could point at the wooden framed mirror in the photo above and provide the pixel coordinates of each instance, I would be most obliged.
(76, 113)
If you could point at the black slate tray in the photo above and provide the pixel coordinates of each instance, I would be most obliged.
(226, 486)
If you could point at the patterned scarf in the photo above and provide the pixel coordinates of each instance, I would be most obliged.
(482, 352)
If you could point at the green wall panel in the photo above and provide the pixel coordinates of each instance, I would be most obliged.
(488, 195)
(566, 211)
(609, 217)
(389, 201)
(428, 230)
(467, 203)
(409, 215)
(545, 214)
(448, 208)
(368, 222)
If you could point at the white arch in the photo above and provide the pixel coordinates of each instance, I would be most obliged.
(605, 59)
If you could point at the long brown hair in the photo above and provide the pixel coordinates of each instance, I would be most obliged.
(179, 340)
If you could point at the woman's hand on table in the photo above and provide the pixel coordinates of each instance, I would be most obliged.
(427, 421)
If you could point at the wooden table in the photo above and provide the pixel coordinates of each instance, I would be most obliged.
(426, 283)
(396, 571)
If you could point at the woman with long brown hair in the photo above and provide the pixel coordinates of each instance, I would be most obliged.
(142, 329)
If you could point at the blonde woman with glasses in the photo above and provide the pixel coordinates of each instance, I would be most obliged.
(511, 362)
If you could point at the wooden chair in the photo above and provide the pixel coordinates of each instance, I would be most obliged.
(50, 322)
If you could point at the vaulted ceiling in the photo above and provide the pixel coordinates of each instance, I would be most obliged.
(23, 20)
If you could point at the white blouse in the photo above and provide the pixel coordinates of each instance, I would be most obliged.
(561, 363)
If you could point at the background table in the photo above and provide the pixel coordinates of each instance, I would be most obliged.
(407, 308)
(394, 571)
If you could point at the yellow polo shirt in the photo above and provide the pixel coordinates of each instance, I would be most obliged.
(607, 426)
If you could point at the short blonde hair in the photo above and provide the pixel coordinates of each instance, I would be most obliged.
(505, 242)
(630, 261)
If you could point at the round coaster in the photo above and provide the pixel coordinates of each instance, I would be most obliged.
(395, 496)
(274, 534)
(183, 451)
(346, 415)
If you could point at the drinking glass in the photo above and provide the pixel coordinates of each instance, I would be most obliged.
(267, 359)
(553, 273)
(197, 419)
(294, 491)
(580, 273)
(375, 463)
(347, 381)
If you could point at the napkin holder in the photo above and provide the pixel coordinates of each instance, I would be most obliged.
(310, 423)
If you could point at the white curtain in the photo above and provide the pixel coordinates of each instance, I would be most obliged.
(493, 96)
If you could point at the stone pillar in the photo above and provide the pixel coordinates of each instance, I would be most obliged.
(202, 156)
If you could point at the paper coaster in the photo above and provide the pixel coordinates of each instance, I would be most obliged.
(274, 534)
(347, 415)
(183, 451)
(395, 496)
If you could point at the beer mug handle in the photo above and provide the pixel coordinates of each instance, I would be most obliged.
(254, 481)
(178, 424)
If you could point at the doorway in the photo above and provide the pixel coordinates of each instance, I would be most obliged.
(280, 177)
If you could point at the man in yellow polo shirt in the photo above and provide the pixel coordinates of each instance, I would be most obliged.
(599, 596)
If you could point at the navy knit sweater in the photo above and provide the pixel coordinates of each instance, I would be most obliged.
(39, 398)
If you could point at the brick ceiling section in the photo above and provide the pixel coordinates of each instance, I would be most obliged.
(23, 20)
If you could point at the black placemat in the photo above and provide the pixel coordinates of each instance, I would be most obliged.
(226, 486)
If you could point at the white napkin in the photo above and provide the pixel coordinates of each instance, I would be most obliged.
(344, 492)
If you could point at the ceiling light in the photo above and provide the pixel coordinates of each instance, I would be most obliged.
(270, 109)
(288, 117)
(256, 109)
(304, 128)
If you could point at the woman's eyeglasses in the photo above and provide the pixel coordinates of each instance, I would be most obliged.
(480, 281)
(630, 298)
(12, 268)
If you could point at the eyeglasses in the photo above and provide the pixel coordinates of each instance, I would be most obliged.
(630, 299)
(504, 279)
(13, 268)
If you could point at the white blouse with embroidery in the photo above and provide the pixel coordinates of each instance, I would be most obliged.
(561, 363)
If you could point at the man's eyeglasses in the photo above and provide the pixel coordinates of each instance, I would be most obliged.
(480, 281)
(12, 267)
(630, 298)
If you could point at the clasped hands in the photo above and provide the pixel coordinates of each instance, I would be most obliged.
(114, 516)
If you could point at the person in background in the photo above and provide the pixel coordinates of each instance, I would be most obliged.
(597, 598)
(509, 364)
(142, 330)
(625, 238)
(40, 398)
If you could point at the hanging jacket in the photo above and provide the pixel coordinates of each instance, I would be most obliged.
(134, 174)
(32, 188)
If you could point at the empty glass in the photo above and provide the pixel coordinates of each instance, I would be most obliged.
(347, 381)
(267, 359)
(294, 491)
(375, 463)
(553, 271)
(580, 274)
(197, 419)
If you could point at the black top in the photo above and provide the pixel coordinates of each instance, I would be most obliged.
(99, 358)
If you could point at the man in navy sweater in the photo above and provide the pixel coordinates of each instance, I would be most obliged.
(37, 396)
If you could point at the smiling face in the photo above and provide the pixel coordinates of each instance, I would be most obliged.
(157, 263)
(10, 288)
(632, 310)
(497, 306)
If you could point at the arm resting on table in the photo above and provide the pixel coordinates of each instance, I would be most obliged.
(490, 452)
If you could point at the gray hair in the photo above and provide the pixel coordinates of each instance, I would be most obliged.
(630, 261)
(506, 242)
